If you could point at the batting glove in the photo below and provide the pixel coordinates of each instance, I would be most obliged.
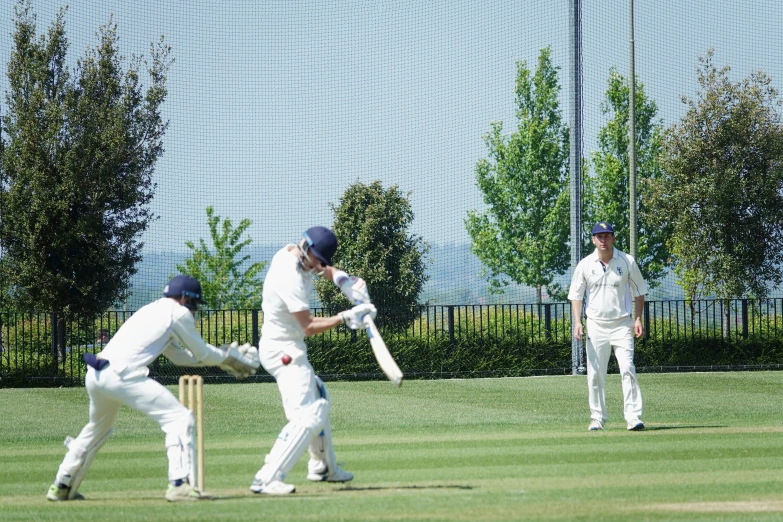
(353, 317)
(354, 288)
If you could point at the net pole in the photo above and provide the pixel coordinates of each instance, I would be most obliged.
(575, 166)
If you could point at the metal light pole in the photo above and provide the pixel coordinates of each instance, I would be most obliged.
(632, 149)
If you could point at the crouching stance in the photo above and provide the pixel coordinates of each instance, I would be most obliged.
(287, 321)
(118, 375)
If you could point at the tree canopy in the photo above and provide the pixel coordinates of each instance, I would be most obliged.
(722, 191)
(522, 237)
(374, 242)
(78, 154)
(606, 195)
(227, 281)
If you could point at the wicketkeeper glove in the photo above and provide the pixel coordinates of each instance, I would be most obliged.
(241, 361)
(354, 288)
(353, 317)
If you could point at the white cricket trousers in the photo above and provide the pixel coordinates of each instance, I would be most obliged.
(601, 338)
(296, 380)
(108, 391)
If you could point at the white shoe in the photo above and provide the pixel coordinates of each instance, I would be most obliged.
(595, 425)
(276, 487)
(635, 425)
(338, 475)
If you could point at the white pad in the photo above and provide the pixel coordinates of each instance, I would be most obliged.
(86, 456)
(293, 440)
(181, 450)
(321, 447)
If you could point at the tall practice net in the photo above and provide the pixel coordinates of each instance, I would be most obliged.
(277, 107)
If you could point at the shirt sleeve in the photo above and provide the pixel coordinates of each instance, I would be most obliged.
(295, 298)
(184, 329)
(576, 291)
(636, 282)
(179, 356)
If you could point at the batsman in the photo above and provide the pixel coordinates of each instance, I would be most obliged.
(119, 375)
(288, 286)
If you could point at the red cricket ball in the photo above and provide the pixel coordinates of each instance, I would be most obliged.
(286, 358)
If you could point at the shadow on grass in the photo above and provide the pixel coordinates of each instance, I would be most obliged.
(686, 427)
(346, 489)
(381, 488)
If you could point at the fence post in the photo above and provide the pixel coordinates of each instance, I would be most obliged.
(548, 321)
(62, 331)
(254, 333)
(646, 320)
(744, 318)
(55, 352)
(451, 326)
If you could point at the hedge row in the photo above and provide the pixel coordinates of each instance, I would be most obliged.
(344, 358)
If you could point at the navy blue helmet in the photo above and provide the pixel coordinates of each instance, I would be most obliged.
(183, 285)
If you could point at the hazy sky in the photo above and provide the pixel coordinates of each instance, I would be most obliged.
(277, 106)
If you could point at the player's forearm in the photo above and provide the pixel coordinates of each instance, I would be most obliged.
(205, 354)
(320, 324)
(178, 356)
(639, 302)
(576, 311)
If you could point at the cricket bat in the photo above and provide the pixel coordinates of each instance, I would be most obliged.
(382, 354)
(379, 349)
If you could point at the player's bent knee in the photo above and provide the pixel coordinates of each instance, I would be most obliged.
(180, 430)
(322, 391)
(313, 416)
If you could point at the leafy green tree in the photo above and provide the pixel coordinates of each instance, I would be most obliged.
(225, 282)
(5, 300)
(606, 197)
(371, 224)
(78, 154)
(523, 235)
(722, 192)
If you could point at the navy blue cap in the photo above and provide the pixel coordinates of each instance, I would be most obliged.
(322, 243)
(183, 285)
(601, 227)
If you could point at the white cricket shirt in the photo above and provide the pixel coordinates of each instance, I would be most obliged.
(287, 290)
(161, 327)
(607, 291)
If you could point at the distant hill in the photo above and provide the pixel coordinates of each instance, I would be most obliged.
(455, 277)
(156, 268)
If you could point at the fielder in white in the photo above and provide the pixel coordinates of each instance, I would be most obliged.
(611, 279)
(288, 286)
(119, 375)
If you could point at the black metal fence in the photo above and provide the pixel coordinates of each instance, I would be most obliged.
(727, 319)
(443, 340)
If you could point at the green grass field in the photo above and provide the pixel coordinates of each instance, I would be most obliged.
(453, 450)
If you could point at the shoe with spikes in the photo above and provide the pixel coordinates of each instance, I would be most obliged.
(59, 492)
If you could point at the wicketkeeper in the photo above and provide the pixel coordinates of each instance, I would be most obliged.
(288, 286)
(612, 283)
(119, 375)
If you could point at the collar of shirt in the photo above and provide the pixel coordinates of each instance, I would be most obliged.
(595, 259)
